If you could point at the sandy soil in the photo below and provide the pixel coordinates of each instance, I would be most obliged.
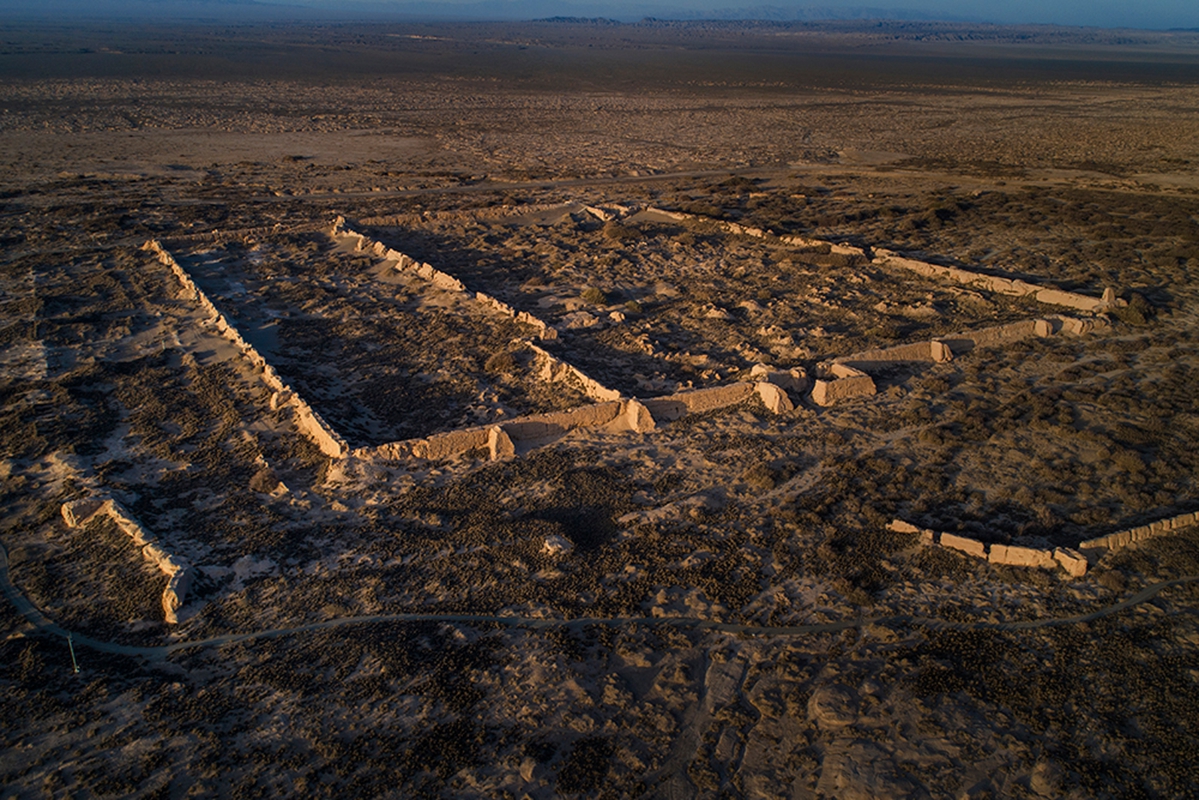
(112, 380)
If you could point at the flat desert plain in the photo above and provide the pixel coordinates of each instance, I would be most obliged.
(581, 409)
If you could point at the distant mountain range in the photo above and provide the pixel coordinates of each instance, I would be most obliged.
(429, 10)
(1153, 14)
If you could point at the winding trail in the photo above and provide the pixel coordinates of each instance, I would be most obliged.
(44, 624)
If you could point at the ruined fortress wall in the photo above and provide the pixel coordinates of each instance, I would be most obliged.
(829, 392)
(528, 429)
(993, 336)
(443, 280)
(307, 420)
(543, 426)
(1073, 562)
(474, 214)
(998, 335)
(1114, 541)
(1014, 288)
(697, 401)
(553, 369)
(932, 351)
(78, 513)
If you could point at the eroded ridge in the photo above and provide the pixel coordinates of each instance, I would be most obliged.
(78, 513)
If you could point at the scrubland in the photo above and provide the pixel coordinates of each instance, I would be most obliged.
(715, 607)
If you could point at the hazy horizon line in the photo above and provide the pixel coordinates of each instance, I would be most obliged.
(472, 11)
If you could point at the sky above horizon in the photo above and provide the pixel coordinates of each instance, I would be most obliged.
(1158, 14)
(1153, 14)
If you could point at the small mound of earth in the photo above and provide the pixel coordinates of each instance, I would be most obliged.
(833, 707)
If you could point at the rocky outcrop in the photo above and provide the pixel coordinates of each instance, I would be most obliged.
(78, 513)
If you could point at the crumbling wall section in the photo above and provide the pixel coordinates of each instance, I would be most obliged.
(500, 439)
(442, 280)
(697, 401)
(552, 369)
(887, 258)
(992, 283)
(1000, 335)
(936, 352)
(307, 420)
(842, 382)
(1096, 548)
(78, 513)
(1071, 561)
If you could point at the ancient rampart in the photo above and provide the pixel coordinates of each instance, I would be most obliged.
(888, 259)
(1073, 560)
(1115, 541)
(1015, 288)
(552, 369)
(841, 379)
(443, 280)
(307, 419)
(78, 513)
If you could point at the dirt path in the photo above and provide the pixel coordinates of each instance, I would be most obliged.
(44, 624)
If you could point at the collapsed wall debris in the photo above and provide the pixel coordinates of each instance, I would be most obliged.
(307, 420)
(78, 513)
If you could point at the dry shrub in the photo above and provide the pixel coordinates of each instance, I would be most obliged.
(596, 297)
(501, 363)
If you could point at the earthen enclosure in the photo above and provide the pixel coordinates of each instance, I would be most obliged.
(844, 379)
(778, 389)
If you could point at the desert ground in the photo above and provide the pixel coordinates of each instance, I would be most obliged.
(575, 409)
